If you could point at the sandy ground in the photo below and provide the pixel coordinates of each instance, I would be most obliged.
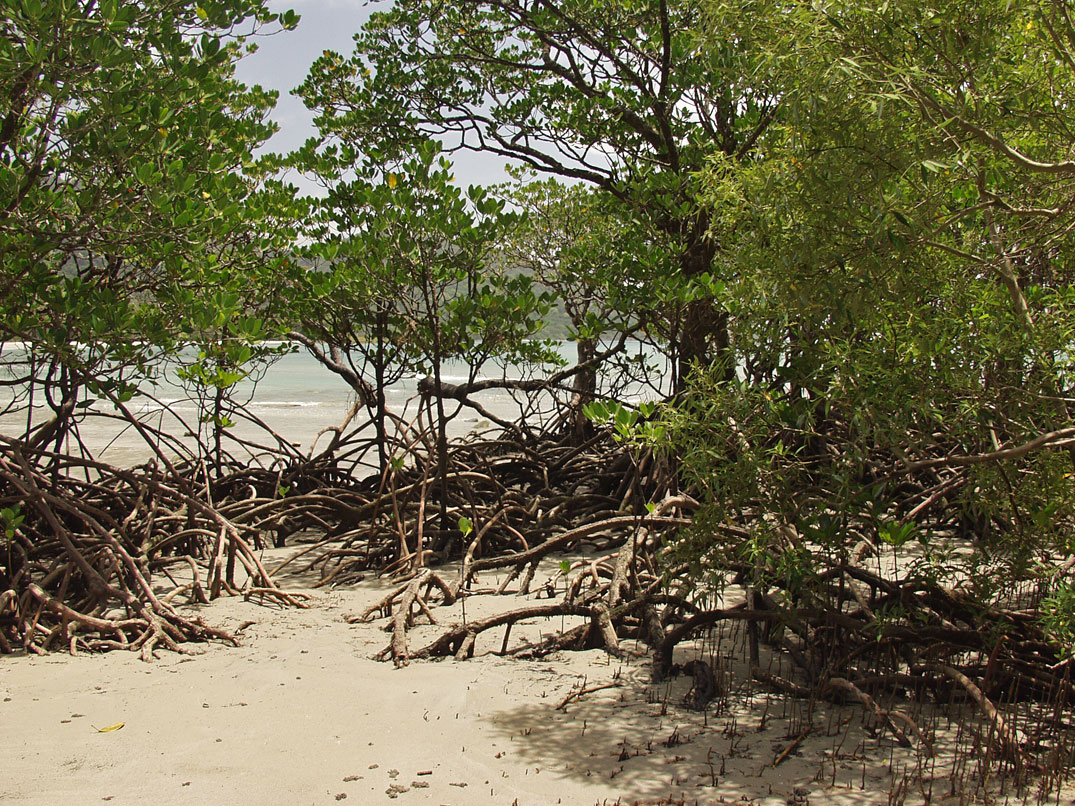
(300, 713)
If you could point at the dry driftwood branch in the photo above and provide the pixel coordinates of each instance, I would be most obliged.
(582, 691)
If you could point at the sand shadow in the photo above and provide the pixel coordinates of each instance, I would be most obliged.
(641, 742)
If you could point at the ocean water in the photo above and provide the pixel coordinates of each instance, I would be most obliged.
(296, 396)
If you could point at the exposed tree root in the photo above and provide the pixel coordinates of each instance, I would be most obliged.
(1000, 733)
(95, 562)
(79, 567)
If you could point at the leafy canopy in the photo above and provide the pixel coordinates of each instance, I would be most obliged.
(127, 184)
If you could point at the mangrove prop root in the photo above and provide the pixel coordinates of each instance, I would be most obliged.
(1001, 733)
(846, 687)
(86, 568)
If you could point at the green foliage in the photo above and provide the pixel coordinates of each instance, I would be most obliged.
(12, 518)
(500, 76)
(629, 425)
(601, 262)
(897, 284)
(589, 249)
(406, 252)
(619, 94)
(402, 278)
(1058, 617)
(127, 185)
(896, 534)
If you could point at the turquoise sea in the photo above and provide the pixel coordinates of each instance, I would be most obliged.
(296, 396)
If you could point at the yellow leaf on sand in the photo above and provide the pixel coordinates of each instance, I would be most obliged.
(110, 728)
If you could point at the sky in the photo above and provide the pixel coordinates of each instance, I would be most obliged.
(283, 59)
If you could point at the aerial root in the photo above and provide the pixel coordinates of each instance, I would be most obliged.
(461, 637)
(290, 598)
(888, 718)
(388, 604)
(1000, 733)
(165, 628)
(91, 539)
(81, 564)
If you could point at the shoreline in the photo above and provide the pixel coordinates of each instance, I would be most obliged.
(302, 424)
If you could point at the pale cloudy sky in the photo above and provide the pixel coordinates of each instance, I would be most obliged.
(282, 61)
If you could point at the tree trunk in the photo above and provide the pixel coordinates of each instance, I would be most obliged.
(381, 414)
(584, 388)
(703, 333)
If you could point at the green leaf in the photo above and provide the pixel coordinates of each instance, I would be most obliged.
(289, 19)
(896, 534)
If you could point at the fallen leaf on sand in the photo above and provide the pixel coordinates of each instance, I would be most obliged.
(110, 728)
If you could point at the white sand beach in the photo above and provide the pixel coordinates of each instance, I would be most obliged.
(300, 713)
